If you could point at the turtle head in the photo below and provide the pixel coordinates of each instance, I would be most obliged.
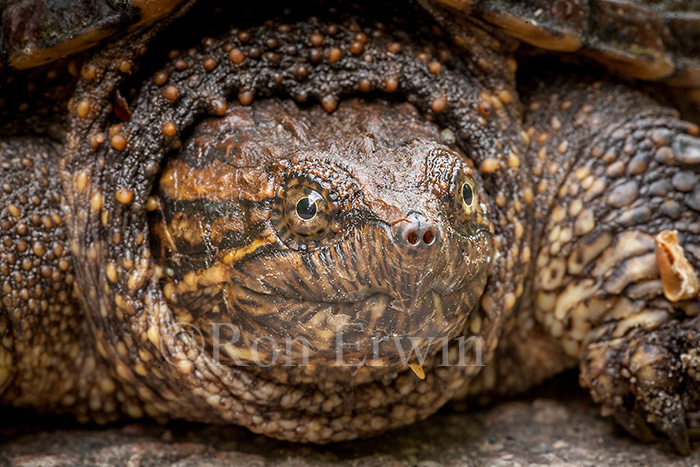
(355, 242)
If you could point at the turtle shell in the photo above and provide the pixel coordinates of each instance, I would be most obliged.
(641, 39)
(35, 32)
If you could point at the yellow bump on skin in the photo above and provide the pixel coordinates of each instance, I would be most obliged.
(555, 123)
(546, 301)
(83, 107)
(505, 96)
(134, 411)
(185, 366)
(528, 195)
(488, 304)
(169, 290)
(526, 137)
(497, 104)
(485, 97)
(123, 371)
(513, 161)
(509, 300)
(587, 182)
(566, 235)
(111, 272)
(118, 142)
(96, 140)
(214, 400)
(191, 279)
(525, 254)
(489, 165)
(92, 253)
(582, 172)
(81, 181)
(145, 356)
(596, 188)
(518, 229)
(140, 369)
(585, 222)
(124, 195)
(100, 348)
(121, 350)
(542, 153)
(96, 202)
(475, 324)
(125, 66)
(575, 207)
(14, 210)
(153, 335)
(558, 214)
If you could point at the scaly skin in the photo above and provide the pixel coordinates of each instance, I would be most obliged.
(549, 227)
(613, 169)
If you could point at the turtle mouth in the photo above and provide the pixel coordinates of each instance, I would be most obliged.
(378, 333)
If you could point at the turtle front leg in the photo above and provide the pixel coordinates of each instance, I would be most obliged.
(616, 176)
(47, 359)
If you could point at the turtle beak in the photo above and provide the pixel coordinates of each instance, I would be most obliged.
(419, 240)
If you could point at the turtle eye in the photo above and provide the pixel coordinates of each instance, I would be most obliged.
(307, 211)
(306, 208)
(468, 195)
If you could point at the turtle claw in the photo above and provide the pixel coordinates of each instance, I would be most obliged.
(672, 424)
(647, 380)
(634, 424)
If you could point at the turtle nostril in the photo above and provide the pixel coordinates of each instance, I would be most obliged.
(417, 233)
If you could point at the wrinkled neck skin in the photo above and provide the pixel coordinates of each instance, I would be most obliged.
(186, 218)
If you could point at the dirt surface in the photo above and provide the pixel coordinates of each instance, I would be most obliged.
(553, 425)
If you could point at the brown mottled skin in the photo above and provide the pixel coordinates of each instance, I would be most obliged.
(452, 198)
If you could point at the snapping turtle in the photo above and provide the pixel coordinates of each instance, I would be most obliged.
(327, 222)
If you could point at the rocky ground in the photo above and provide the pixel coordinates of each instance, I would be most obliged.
(553, 425)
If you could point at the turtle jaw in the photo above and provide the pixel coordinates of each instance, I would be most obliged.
(387, 311)
(356, 341)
